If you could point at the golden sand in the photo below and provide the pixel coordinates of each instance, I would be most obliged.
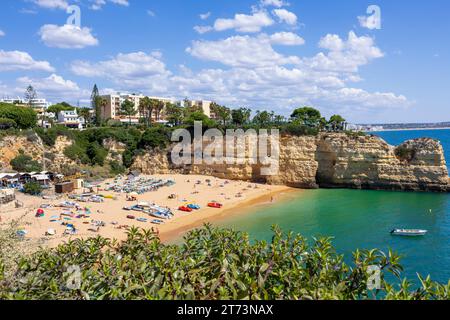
(112, 214)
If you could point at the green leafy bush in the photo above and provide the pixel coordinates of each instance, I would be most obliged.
(297, 129)
(24, 117)
(32, 188)
(404, 153)
(117, 168)
(6, 123)
(96, 153)
(158, 137)
(210, 264)
(76, 153)
(25, 163)
(49, 136)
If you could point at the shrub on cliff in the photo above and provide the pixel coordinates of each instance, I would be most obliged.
(296, 128)
(158, 137)
(7, 123)
(24, 118)
(116, 168)
(25, 163)
(404, 153)
(76, 153)
(96, 153)
(49, 136)
(210, 264)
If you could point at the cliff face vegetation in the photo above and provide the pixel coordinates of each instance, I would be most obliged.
(12, 146)
(331, 160)
(327, 160)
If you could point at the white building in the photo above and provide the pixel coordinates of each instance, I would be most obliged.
(71, 119)
(41, 104)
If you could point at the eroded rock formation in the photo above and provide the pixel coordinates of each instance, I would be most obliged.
(332, 160)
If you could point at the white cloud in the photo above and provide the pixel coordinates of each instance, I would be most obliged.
(240, 51)
(245, 23)
(53, 83)
(19, 60)
(2, 33)
(67, 36)
(287, 39)
(203, 29)
(286, 16)
(52, 4)
(136, 70)
(151, 13)
(273, 3)
(365, 99)
(205, 16)
(98, 4)
(344, 55)
(54, 88)
(255, 74)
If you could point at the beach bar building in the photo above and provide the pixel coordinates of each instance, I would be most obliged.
(42, 179)
(9, 180)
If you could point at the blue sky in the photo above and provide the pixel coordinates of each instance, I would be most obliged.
(263, 54)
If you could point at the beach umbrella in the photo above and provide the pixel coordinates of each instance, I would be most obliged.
(40, 211)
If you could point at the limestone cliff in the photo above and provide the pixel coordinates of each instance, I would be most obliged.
(369, 162)
(331, 160)
(11, 146)
(328, 160)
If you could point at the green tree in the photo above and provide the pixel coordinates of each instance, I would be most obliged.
(159, 109)
(85, 113)
(32, 188)
(24, 117)
(307, 116)
(145, 110)
(25, 163)
(222, 113)
(337, 122)
(30, 95)
(279, 119)
(199, 116)
(56, 108)
(96, 105)
(128, 109)
(241, 116)
(156, 137)
(97, 153)
(174, 114)
(263, 117)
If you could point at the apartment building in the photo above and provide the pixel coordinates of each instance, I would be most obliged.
(205, 105)
(111, 110)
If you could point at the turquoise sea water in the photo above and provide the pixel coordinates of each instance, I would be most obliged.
(363, 219)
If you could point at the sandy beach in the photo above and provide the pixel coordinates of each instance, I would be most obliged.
(237, 197)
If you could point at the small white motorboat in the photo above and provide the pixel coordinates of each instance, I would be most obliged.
(409, 232)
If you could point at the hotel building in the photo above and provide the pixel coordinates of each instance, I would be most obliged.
(111, 110)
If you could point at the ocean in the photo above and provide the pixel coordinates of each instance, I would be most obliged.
(363, 219)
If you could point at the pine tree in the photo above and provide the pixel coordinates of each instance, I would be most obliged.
(95, 104)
